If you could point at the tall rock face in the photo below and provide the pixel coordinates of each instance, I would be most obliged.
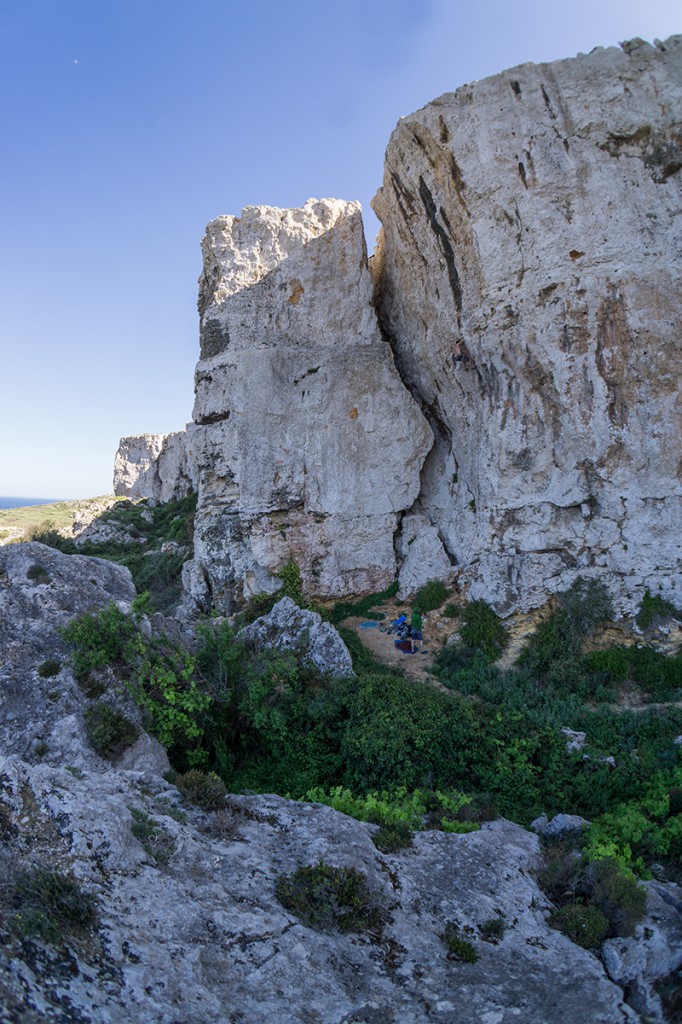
(529, 280)
(308, 445)
(161, 467)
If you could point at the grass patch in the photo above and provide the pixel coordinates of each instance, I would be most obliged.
(430, 596)
(52, 906)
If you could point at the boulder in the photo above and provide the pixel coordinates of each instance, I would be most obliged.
(528, 278)
(290, 628)
(423, 557)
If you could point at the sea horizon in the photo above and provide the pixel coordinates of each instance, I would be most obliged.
(7, 502)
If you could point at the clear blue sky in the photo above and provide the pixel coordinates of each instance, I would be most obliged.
(128, 124)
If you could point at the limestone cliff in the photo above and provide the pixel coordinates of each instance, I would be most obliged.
(527, 286)
(529, 276)
(308, 444)
(160, 467)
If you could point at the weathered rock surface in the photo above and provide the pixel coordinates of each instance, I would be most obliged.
(203, 937)
(308, 444)
(290, 628)
(529, 278)
(654, 952)
(188, 925)
(160, 467)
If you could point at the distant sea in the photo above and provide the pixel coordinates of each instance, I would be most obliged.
(21, 502)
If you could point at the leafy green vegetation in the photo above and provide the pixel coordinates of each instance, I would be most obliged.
(153, 836)
(205, 789)
(38, 574)
(330, 898)
(390, 750)
(362, 608)
(48, 668)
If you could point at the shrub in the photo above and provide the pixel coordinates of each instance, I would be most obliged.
(164, 685)
(98, 638)
(50, 667)
(37, 573)
(451, 610)
(205, 789)
(394, 837)
(362, 607)
(52, 906)
(326, 898)
(482, 629)
(458, 947)
(553, 651)
(108, 730)
(617, 895)
(54, 539)
(430, 596)
(584, 925)
(653, 607)
(493, 930)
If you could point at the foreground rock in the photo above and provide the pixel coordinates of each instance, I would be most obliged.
(202, 937)
(187, 924)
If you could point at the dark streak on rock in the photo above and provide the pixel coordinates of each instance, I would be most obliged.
(444, 242)
(548, 103)
(458, 182)
(516, 88)
(522, 174)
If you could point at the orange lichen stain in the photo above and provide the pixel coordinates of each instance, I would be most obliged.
(354, 414)
(297, 290)
(575, 254)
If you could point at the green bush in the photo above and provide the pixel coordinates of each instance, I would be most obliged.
(655, 607)
(658, 675)
(50, 667)
(205, 789)
(329, 898)
(458, 947)
(451, 610)
(99, 639)
(51, 906)
(108, 730)
(617, 895)
(493, 930)
(553, 652)
(361, 608)
(429, 597)
(584, 925)
(37, 573)
(481, 628)
(394, 837)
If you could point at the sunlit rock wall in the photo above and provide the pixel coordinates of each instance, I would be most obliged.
(529, 279)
